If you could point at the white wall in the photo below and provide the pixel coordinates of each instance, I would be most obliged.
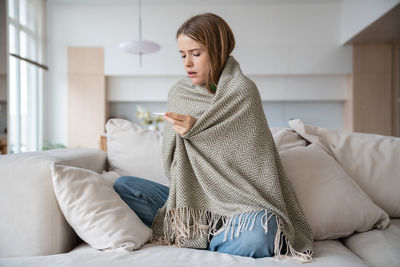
(359, 14)
(290, 48)
(313, 87)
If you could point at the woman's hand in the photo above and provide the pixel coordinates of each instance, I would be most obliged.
(182, 123)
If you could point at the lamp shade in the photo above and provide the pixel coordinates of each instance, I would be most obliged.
(139, 47)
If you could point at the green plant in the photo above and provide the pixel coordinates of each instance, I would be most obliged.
(48, 146)
(146, 117)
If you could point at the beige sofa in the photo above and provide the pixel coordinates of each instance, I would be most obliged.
(34, 232)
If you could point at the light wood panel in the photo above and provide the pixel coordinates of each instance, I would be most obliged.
(86, 96)
(395, 92)
(370, 107)
(372, 103)
(86, 60)
(103, 143)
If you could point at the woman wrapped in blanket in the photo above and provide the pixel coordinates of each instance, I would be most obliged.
(229, 192)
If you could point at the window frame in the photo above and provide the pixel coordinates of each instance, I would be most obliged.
(32, 66)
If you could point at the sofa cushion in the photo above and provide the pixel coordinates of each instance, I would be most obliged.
(95, 211)
(133, 150)
(329, 253)
(31, 222)
(334, 205)
(378, 248)
(371, 160)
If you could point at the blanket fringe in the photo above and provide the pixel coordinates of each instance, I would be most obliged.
(189, 223)
(290, 253)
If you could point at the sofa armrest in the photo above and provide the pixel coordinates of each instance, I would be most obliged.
(31, 221)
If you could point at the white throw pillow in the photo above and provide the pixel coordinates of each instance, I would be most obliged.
(373, 161)
(334, 205)
(286, 138)
(95, 211)
(135, 151)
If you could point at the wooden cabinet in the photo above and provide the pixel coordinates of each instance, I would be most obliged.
(103, 142)
(86, 96)
(372, 102)
(3, 145)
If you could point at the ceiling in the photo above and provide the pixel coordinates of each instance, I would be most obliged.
(384, 30)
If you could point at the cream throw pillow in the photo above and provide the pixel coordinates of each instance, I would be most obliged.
(286, 138)
(135, 151)
(334, 205)
(95, 211)
(373, 161)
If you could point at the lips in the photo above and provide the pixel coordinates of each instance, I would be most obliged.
(191, 73)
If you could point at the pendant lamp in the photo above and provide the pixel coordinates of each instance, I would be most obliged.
(139, 47)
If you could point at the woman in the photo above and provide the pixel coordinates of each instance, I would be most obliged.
(229, 192)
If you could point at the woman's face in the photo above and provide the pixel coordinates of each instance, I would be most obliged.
(196, 60)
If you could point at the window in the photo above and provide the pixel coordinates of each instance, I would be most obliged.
(26, 46)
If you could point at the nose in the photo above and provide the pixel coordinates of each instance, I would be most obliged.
(188, 61)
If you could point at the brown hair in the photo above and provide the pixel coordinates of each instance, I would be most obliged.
(213, 32)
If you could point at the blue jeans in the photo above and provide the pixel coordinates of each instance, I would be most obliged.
(146, 197)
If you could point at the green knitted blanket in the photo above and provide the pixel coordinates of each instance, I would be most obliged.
(225, 165)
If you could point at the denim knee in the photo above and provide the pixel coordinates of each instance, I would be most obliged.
(255, 244)
(258, 244)
(137, 193)
(121, 182)
(252, 243)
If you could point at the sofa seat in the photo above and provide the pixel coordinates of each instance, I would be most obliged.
(378, 248)
(326, 253)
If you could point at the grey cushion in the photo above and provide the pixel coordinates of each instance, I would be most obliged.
(378, 248)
